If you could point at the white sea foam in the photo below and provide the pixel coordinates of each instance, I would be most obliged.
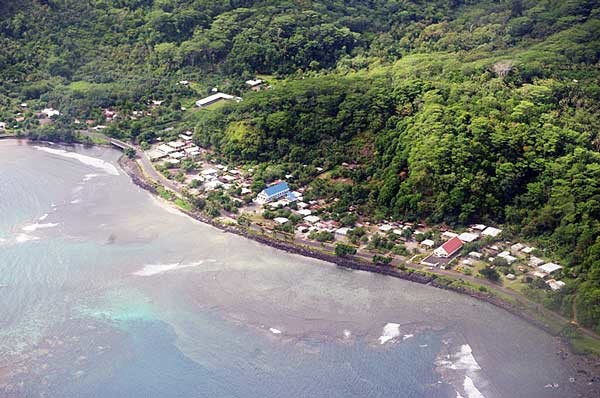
(35, 227)
(465, 359)
(407, 336)
(274, 331)
(390, 332)
(88, 177)
(462, 360)
(347, 333)
(470, 389)
(22, 238)
(42, 218)
(87, 160)
(75, 201)
(154, 269)
(458, 395)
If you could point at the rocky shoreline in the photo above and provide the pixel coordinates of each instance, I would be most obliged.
(132, 169)
(587, 366)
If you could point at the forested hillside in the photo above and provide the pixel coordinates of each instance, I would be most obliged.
(451, 111)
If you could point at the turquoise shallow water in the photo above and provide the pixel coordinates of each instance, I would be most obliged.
(108, 293)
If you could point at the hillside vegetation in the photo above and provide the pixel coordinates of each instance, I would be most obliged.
(452, 111)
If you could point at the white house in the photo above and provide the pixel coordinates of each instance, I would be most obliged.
(468, 237)
(280, 220)
(535, 261)
(555, 285)
(311, 219)
(549, 268)
(273, 192)
(385, 228)
(176, 144)
(49, 112)
(343, 231)
(155, 154)
(449, 248)
(475, 255)
(478, 227)
(211, 99)
(166, 149)
(506, 255)
(209, 172)
(449, 235)
(491, 231)
(427, 243)
(254, 82)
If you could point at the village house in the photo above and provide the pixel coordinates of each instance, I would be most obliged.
(555, 285)
(209, 172)
(211, 99)
(527, 250)
(476, 255)
(166, 149)
(506, 255)
(449, 235)
(312, 219)
(273, 192)
(342, 231)
(535, 261)
(549, 268)
(449, 248)
(280, 220)
(192, 152)
(385, 228)
(516, 247)
(428, 243)
(491, 231)
(176, 144)
(478, 227)
(50, 112)
(187, 136)
(254, 84)
(155, 154)
(468, 237)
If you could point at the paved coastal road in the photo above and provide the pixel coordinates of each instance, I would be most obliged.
(142, 160)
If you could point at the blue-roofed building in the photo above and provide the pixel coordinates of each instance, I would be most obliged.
(273, 192)
(292, 196)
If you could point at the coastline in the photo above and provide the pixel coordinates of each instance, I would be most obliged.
(588, 365)
(133, 170)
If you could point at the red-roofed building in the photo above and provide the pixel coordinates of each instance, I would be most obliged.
(449, 248)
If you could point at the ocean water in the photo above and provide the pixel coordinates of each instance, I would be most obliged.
(107, 292)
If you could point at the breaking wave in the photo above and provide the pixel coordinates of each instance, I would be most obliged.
(35, 227)
(390, 332)
(155, 269)
(87, 160)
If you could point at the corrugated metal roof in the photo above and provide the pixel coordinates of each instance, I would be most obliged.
(277, 188)
(452, 245)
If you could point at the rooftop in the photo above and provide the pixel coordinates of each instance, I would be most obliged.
(276, 188)
(549, 268)
(216, 97)
(452, 245)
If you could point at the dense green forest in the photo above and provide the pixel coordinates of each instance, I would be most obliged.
(451, 111)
